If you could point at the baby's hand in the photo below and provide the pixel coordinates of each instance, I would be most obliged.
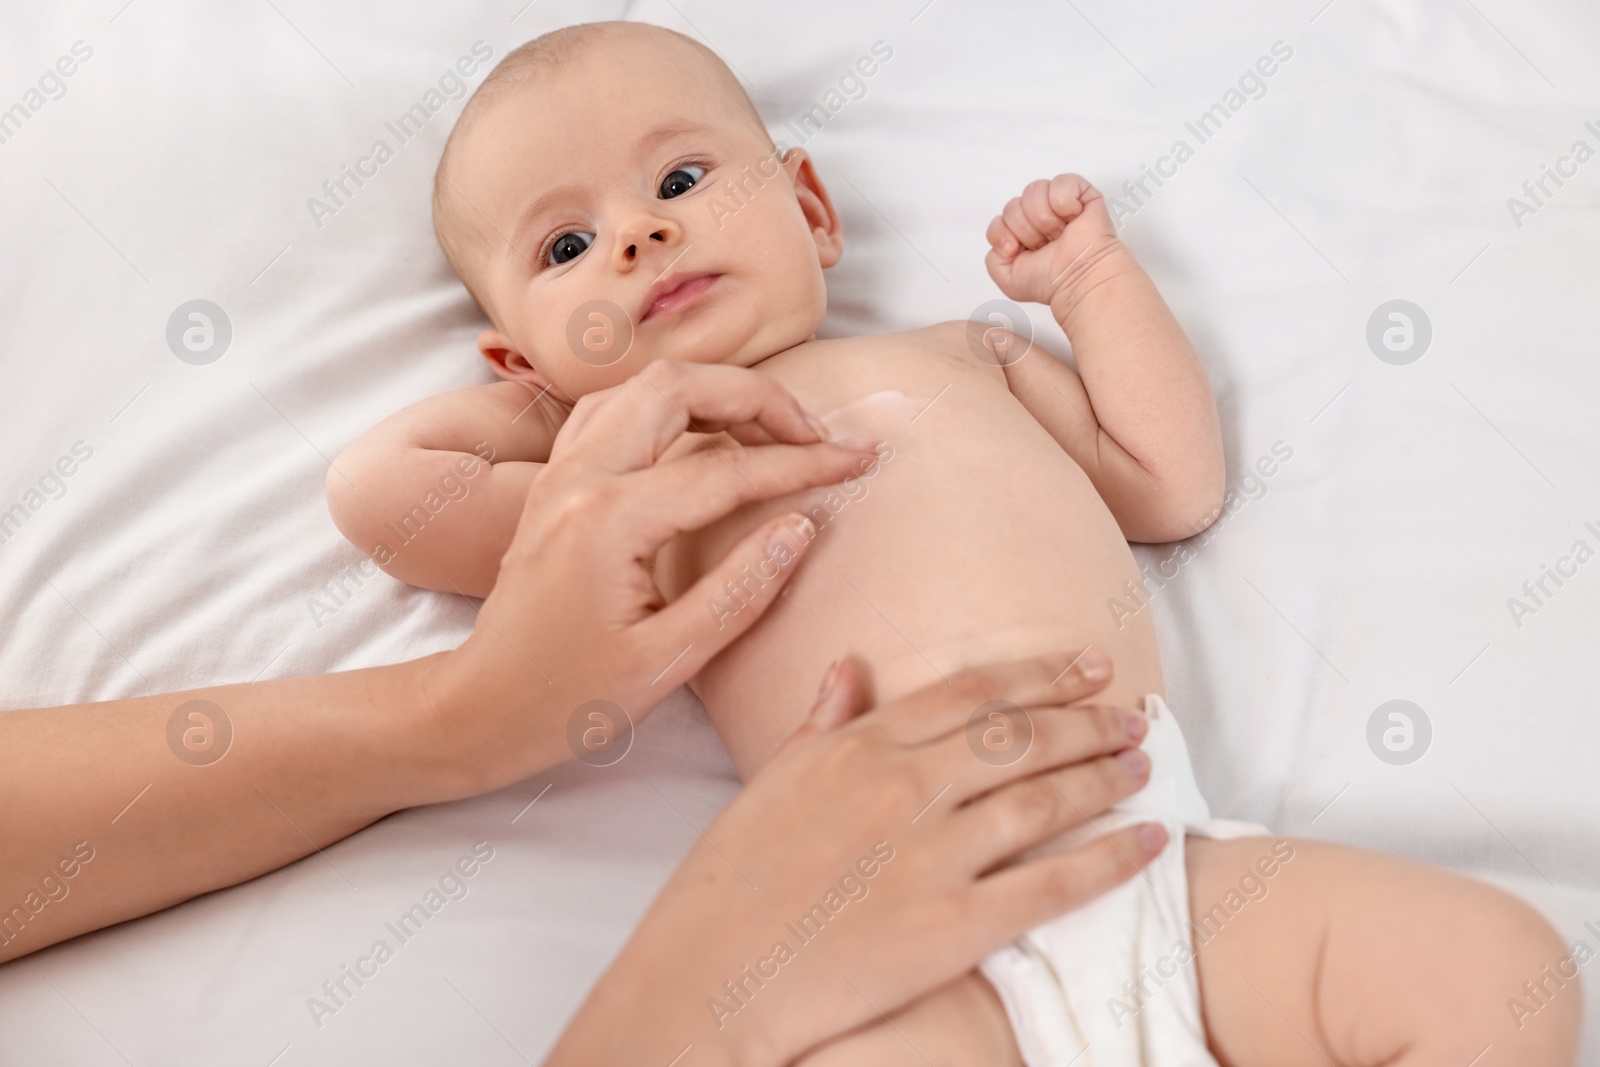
(1043, 233)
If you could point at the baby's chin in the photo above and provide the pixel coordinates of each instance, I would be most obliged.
(728, 333)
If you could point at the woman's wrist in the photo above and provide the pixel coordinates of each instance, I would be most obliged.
(474, 731)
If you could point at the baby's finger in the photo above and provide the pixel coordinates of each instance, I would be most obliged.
(1001, 239)
(1036, 206)
(1018, 222)
(1069, 194)
(999, 268)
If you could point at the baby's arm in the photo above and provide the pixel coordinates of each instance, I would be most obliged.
(442, 484)
(1138, 415)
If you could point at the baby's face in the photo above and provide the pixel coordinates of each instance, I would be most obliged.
(599, 205)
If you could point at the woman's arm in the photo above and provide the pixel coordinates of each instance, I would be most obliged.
(433, 493)
(574, 617)
(303, 762)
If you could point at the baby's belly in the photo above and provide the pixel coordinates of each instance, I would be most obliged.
(975, 538)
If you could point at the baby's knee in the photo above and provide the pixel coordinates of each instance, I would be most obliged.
(1532, 978)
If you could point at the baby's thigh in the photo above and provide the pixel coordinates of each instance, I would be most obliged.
(1354, 957)
(962, 1024)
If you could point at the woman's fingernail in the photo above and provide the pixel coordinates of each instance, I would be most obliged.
(1093, 666)
(823, 433)
(858, 444)
(1135, 760)
(829, 681)
(1134, 724)
(1152, 838)
(802, 531)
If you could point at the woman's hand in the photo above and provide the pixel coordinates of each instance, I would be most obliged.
(575, 620)
(296, 763)
(895, 828)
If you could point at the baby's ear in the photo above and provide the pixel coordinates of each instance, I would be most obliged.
(816, 205)
(508, 363)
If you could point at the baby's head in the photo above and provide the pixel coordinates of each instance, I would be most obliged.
(610, 188)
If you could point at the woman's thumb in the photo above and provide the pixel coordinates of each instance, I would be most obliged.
(841, 698)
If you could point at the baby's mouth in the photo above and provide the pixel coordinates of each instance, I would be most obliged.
(675, 292)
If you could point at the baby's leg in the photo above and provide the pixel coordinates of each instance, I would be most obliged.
(959, 1025)
(1340, 957)
(1356, 958)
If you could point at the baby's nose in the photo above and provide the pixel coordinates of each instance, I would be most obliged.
(635, 241)
(632, 250)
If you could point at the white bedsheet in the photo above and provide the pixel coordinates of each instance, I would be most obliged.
(1375, 564)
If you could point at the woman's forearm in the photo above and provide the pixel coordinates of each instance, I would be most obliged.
(113, 810)
(121, 808)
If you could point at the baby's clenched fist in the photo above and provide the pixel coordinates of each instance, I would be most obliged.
(1041, 235)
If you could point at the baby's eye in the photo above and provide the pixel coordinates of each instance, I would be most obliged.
(569, 246)
(681, 181)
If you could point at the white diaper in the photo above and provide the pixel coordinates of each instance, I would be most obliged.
(1113, 983)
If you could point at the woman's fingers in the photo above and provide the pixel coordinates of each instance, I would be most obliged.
(1004, 742)
(947, 707)
(698, 489)
(707, 618)
(841, 698)
(578, 418)
(1015, 899)
(635, 423)
(1010, 820)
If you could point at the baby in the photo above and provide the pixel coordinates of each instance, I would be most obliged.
(611, 198)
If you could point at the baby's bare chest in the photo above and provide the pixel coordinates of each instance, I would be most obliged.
(974, 536)
(918, 370)
(963, 467)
